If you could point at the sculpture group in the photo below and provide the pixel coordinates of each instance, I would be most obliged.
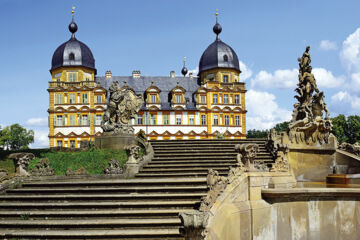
(123, 104)
(308, 124)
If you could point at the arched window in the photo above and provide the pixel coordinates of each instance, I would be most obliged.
(71, 56)
(225, 58)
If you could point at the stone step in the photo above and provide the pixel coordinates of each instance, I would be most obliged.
(209, 154)
(208, 141)
(211, 161)
(103, 197)
(134, 234)
(90, 223)
(119, 183)
(114, 213)
(174, 158)
(98, 205)
(171, 170)
(184, 174)
(190, 165)
(101, 190)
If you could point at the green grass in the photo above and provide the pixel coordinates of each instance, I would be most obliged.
(94, 161)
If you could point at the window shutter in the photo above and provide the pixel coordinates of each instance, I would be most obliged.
(88, 120)
(54, 120)
(63, 120)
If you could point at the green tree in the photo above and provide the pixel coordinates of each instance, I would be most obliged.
(340, 128)
(257, 133)
(16, 137)
(281, 127)
(353, 129)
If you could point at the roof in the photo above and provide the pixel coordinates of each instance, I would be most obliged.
(165, 84)
(218, 55)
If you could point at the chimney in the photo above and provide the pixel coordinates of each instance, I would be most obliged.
(136, 74)
(191, 75)
(108, 74)
(172, 74)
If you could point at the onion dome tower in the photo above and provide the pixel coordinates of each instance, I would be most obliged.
(184, 70)
(73, 53)
(218, 56)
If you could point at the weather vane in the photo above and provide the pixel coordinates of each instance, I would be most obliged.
(73, 11)
(217, 14)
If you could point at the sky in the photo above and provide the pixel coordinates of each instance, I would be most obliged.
(154, 36)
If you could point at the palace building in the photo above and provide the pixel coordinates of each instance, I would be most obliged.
(209, 105)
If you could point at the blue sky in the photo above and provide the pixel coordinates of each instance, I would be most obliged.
(154, 36)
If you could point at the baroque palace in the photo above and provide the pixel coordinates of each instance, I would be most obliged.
(189, 107)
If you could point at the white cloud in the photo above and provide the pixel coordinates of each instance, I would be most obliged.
(37, 122)
(194, 71)
(263, 111)
(279, 79)
(350, 52)
(345, 103)
(355, 81)
(41, 139)
(245, 71)
(325, 78)
(328, 45)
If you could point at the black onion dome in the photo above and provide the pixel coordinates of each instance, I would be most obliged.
(73, 53)
(218, 55)
(184, 71)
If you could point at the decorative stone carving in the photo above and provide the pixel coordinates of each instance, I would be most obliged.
(123, 104)
(42, 168)
(246, 156)
(22, 161)
(3, 175)
(114, 167)
(281, 163)
(216, 184)
(351, 148)
(79, 172)
(134, 156)
(307, 124)
(194, 223)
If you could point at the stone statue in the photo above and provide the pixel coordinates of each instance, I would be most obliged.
(21, 161)
(281, 163)
(114, 168)
(246, 156)
(123, 104)
(43, 168)
(307, 123)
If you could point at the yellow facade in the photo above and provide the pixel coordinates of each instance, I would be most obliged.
(76, 105)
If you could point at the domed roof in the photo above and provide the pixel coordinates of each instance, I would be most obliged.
(218, 54)
(73, 53)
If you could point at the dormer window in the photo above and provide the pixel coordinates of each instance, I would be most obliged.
(71, 56)
(153, 98)
(226, 58)
(178, 98)
(226, 78)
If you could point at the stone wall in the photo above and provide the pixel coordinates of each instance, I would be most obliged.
(248, 209)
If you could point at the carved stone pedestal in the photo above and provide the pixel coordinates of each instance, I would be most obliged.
(130, 169)
(117, 142)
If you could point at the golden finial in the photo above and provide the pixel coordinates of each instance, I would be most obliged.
(217, 14)
(73, 10)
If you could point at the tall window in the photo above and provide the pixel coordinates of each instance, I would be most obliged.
(85, 120)
(227, 120)
(215, 98)
(71, 56)
(140, 119)
(226, 78)
(202, 98)
(153, 119)
(59, 143)
(203, 119)
(98, 119)
(98, 98)
(226, 99)
(178, 119)
(191, 120)
(72, 120)
(72, 143)
(178, 98)
(72, 98)
(237, 120)
(72, 77)
(216, 120)
(166, 119)
(84, 98)
(59, 120)
(153, 98)
(59, 98)
(237, 99)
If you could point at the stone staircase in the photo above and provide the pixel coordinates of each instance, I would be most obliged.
(145, 207)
